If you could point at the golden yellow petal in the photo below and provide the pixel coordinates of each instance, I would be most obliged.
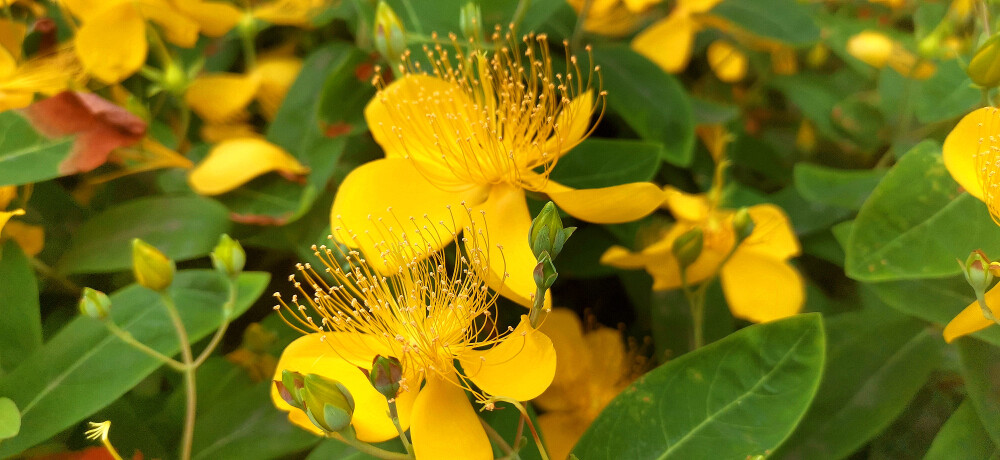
(220, 98)
(520, 367)
(235, 162)
(773, 234)
(727, 62)
(686, 206)
(962, 146)
(508, 221)
(276, 75)
(872, 48)
(445, 426)
(177, 28)
(11, 37)
(6, 215)
(971, 319)
(607, 205)
(667, 42)
(564, 329)
(214, 18)
(111, 45)
(759, 288)
(562, 430)
(31, 238)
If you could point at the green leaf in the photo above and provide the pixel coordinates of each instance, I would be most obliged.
(739, 396)
(10, 419)
(836, 187)
(599, 163)
(25, 155)
(916, 223)
(183, 227)
(650, 101)
(962, 438)
(981, 372)
(84, 368)
(442, 16)
(786, 21)
(864, 387)
(946, 95)
(505, 421)
(21, 327)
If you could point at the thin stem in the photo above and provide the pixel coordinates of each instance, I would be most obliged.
(580, 19)
(247, 38)
(50, 273)
(189, 375)
(412, 13)
(984, 10)
(394, 415)
(183, 125)
(535, 316)
(531, 426)
(227, 309)
(497, 438)
(127, 337)
(519, 12)
(370, 449)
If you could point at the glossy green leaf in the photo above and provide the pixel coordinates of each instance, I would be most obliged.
(786, 21)
(25, 155)
(10, 419)
(962, 438)
(864, 388)
(736, 397)
(947, 94)
(836, 187)
(84, 368)
(917, 222)
(650, 101)
(21, 326)
(981, 372)
(606, 162)
(183, 227)
(442, 16)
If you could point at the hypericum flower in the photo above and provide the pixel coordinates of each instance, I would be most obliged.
(668, 42)
(593, 367)
(483, 128)
(426, 315)
(224, 97)
(612, 17)
(972, 156)
(234, 162)
(111, 42)
(878, 50)
(727, 61)
(757, 280)
(47, 73)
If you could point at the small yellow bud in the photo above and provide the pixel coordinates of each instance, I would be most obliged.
(727, 61)
(228, 256)
(817, 55)
(984, 69)
(327, 403)
(872, 48)
(687, 247)
(743, 224)
(152, 269)
(390, 37)
(95, 304)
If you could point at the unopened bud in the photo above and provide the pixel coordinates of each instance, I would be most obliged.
(687, 247)
(977, 273)
(390, 37)
(817, 55)
(385, 375)
(872, 48)
(95, 304)
(743, 224)
(547, 234)
(327, 403)
(175, 80)
(228, 256)
(984, 69)
(470, 21)
(290, 388)
(152, 269)
(545, 273)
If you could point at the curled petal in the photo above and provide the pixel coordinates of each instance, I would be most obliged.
(235, 162)
(520, 367)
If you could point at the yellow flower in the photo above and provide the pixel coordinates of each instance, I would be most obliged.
(878, 50)
(47, 74)
(223, 97)
(289, 12)
(668, 42)
(428, 317)
(31, 238)
(6, 215)
(111, 42)
(483, 134)
(727, 61)
(612, 17)
(593, 368)
(234, 162)
(972, 156)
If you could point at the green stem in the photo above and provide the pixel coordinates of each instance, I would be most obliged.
(520, 12)
(394, 415)
(497, 438)
(580, 19)
(413, 16)
(50, 273)
(984, 10)
(247, 38)
(126, 337)
(227, 311)
(189, 375)
(369, 449)
(535, 315)
(531, 426)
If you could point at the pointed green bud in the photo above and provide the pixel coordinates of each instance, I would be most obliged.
(390, 37)
(95, 304)
(470, 21)
(977, 271)
(547, 234)
(152, 269)
(385, 375)
(743, 225)
(228, 256)
(984, 68)
(290, 388)
(327, 403)
(545, 272)
(687, 247)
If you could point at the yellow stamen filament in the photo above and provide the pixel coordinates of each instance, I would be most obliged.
(99, 431)
(503, 116)
(987, 159)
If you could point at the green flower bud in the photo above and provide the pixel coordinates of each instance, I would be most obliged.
(95, 304)
(228, 256)
(547, 233)
(977, 272)
(743, 224)
(390, 37)
(545, 272)
(984, 69)
(290, 388)
(152, 269)
(470, 21)
(687, 247)
(327, 403)
(385, 375)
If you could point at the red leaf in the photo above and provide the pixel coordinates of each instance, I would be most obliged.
(259, 219)
(99, 127)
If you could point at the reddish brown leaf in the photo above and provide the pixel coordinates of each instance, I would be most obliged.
(99, 127)
(258, 219)
(337, 129)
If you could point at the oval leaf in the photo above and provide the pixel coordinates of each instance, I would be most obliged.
(597, 163)
(786, 21)
(981, 372)
(21, 327)
(10, 419)
(962, 438)
(739, 396)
